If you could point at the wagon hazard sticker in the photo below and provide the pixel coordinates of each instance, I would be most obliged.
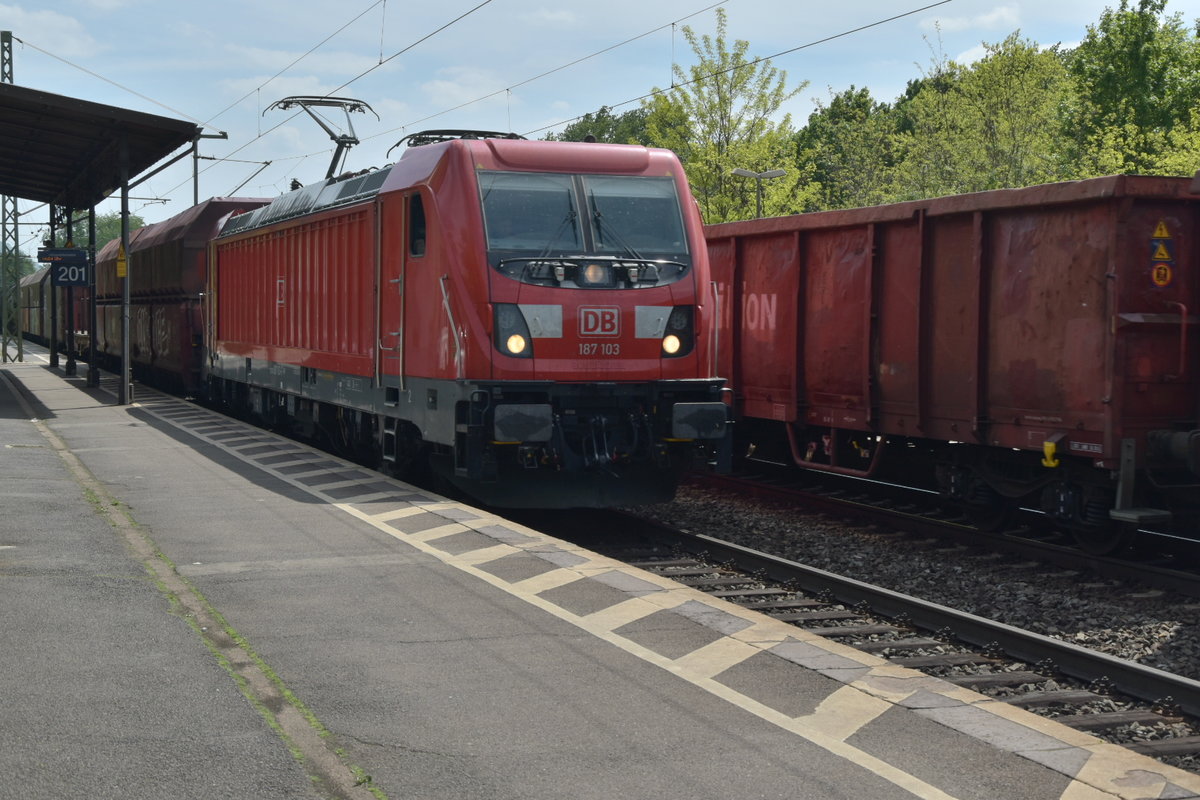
(1162, 274)
(1162, 256)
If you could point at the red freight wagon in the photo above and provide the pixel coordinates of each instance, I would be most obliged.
(167, 266)
(531, 319)
(1039, 346)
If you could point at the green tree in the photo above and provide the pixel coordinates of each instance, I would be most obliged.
(605, 126)
(847, 149)
(1136, 80)
(25, 265)
(108, 227)
(719, 116)
(990, 125)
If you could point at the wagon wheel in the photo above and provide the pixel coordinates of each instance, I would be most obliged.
(992, 517)
(1104, 540)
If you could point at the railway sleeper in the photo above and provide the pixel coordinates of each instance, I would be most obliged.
(852, 631)
(701, 583)
(1115, 719)
(943, 660)
(741, 594)
(816, 616)
(781, 605)
(916, 643)
(1060, 697)
(992, 680)
(1165, 748)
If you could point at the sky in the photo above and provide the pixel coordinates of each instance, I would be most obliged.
(526, 66)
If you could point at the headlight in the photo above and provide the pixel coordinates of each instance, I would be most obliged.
(671, 344)
(595, 275)
(510, 331)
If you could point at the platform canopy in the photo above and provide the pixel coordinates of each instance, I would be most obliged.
(65, 151)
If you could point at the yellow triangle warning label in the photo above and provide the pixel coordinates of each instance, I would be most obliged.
(1161, 253)
(1161, 232)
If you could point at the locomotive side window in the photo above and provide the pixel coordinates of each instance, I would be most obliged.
(416, 226)
(635, 214)
(529, 212)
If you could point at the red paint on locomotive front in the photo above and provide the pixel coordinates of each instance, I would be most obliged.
(302, 292)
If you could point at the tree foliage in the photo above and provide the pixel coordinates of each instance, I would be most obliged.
(848, 150)
(1125, 100)
(1136, 81)
(108, 227)
(605, 126)
(24, 264)
(990, 125)
(720, 116)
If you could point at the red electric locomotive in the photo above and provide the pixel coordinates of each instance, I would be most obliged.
(532, 320)
(1034, 347)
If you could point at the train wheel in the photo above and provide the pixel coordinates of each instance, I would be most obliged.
(986, 508)
(990, 518)
(1110, 539)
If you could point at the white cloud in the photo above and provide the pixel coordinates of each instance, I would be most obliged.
(457, 85)
(554, 17)
(48, 30)
(1006, 18)
(109, 5)
(969, 57)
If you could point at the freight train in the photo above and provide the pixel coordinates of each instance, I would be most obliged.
(1033, 348)
(530, 322)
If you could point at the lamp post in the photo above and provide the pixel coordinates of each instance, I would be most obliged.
(759, 177)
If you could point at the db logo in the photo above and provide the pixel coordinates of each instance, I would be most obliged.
(599, 321)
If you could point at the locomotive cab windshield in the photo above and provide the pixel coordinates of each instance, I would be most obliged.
(584, 231)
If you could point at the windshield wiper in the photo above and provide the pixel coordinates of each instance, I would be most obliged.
(598, 218)
(562, 226)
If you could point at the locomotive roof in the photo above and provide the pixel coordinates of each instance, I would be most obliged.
(509, 150)
(309, 199)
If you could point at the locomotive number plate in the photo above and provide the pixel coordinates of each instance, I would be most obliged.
(599, 349)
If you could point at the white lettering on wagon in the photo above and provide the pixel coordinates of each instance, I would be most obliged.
(760, 311)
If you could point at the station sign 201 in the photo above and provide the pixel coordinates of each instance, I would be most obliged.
(68, 265)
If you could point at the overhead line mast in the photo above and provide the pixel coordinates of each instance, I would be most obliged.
(10, 254)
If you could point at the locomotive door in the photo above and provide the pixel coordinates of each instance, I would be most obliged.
(393, 238)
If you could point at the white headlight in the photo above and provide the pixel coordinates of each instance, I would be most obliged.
(595, 274)
(515, 344)
(671, 344)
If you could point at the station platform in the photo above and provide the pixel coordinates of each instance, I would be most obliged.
(194, 608)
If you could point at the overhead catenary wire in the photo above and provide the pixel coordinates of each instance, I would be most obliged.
(107, 80)
(400, 52)
(296, 61)
(549, 72)
(813, 43)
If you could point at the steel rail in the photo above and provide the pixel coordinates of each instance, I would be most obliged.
(1168, 578)
(1137, 680)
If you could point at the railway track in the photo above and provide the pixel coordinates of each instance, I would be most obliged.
(1139, 707)
(1163, 563)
